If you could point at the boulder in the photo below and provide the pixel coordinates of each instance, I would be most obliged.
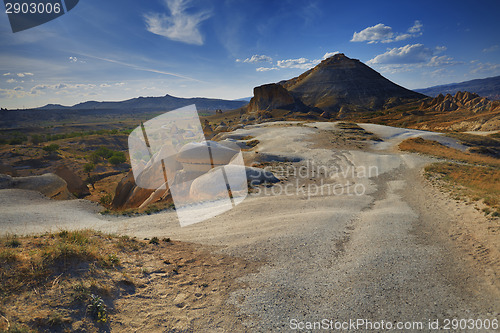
(49, 184)
(75, 183)
(209, 186)
(8, 170)
(128, 194)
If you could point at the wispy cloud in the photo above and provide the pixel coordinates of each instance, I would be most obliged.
(384, 34)
(491, 48)
(256, 59)
(180, 25)
(300, 63)
(408, 54)
(485, 68)
(266, 69)
(139, 68)
(411, 57)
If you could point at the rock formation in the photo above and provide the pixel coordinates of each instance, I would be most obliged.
(462, 100)
(49, 184)
(75, 183)
(270, 96)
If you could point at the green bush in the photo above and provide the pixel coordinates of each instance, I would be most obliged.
(51, 148)
(117, 158)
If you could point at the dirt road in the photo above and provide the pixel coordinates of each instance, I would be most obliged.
(369, 242)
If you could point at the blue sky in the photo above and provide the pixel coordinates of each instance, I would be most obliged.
(120, 49)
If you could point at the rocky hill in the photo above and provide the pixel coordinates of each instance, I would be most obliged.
(337, 86)
(488, 87)
(464, 111)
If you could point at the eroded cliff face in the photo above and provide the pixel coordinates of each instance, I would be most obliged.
(270, 96)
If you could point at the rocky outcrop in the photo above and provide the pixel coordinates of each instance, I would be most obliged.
(129, 195)
(465, 101)
(49, 184)
(8, 170)
(191, 162)
(75, 183)
(270, 96)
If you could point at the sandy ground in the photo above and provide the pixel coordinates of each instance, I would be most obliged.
(383, 246)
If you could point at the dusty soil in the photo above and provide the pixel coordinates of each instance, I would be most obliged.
(170, 286)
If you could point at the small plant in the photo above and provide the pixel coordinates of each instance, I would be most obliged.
(154, 241)
(113, 259)
(106, 199)
(80, 293)
(98, 309)
(166, 240)
(14, 242)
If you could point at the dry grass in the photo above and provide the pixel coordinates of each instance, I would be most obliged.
(471, 181)
(87, 281)
(471, 176)
(419, 145)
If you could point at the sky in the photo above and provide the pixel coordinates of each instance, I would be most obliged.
(119, 49)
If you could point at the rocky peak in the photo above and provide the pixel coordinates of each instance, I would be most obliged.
(336, 82)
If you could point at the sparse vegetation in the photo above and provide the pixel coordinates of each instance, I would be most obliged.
(80, 271)
(51, 148)
(434, 148)
(467, 175)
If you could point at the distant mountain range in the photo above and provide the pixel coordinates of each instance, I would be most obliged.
(489, 88)
(164, 103)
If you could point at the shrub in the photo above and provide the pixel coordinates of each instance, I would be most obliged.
(106, 199)
(117, 158)
(51, 148)
(97, 309)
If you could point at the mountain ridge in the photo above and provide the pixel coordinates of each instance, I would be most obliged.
(160, 103)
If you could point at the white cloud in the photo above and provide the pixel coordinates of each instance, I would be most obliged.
(440, 49)
(384, 34)
(491, 48)
(485, 68)
(7, 74)
(73, 59)
(302, 63)
(442, 61)
(373, 34)
(181, 25)
(411, 57)
(24, 74)
(104, 85)
(408, 54)
(416, 28)
(266, 69)
(330, 54)
(11, 81)
(256, 59)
